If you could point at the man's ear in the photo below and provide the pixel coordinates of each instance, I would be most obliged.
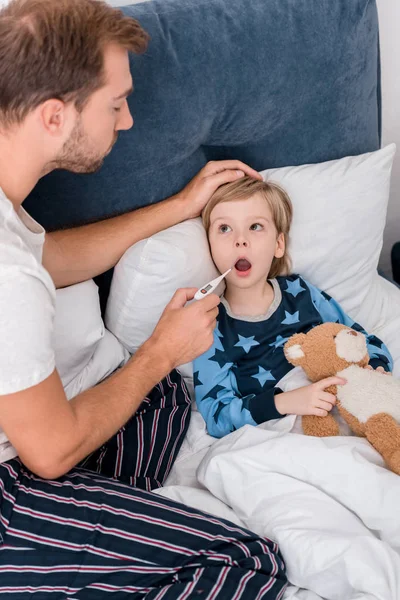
(53, 115)
(293, 349)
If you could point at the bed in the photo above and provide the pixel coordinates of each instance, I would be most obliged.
(293, 89)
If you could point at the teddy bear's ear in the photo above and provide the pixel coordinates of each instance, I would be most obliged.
(293, 349)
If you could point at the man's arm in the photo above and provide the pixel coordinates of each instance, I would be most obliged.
(52, 435)
(75, 255)
(78, 254)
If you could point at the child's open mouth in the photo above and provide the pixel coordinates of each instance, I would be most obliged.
(242, 267)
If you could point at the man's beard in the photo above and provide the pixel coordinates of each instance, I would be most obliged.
(78, 154)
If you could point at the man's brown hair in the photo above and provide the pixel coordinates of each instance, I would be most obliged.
(278, 201)
(55, 49)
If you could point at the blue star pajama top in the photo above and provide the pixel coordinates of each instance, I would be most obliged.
(237, 378)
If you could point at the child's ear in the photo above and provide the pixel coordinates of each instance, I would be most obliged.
(293, 349)
(280, 246)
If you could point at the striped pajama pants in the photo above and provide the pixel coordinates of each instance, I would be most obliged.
(85, 536)
(144, 450)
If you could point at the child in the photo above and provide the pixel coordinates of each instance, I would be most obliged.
(237, 380)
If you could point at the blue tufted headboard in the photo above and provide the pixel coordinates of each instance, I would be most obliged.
(271, 82)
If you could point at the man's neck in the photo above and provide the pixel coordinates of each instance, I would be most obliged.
(19, 168)
(250, 302)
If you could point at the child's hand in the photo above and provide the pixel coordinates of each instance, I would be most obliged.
(379, 369)
(310, 399)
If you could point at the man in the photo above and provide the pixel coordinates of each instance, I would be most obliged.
(64, 80)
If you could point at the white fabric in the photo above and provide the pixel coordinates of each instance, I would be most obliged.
(329, 503)
(27, 303)
(149, 274)
(85, 351)
(383, 306)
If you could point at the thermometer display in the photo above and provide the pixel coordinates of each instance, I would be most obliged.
(206, 289)
(209, 287)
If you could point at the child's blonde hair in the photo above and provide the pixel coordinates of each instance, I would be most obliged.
(279, 204)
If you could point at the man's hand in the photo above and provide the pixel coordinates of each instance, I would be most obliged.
(309, 400)
(185, 332)
(198, 192)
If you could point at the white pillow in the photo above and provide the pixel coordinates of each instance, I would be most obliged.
(85, 351)
(336, 238)
(339, 217)
(148, 275)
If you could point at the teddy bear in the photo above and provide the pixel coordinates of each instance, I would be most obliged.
(370, 400)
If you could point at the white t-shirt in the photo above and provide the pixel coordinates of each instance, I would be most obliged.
(27, 307)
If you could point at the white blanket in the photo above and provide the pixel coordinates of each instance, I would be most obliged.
(329, 503)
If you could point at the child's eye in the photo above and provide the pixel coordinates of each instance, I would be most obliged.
(256, 227)
(224, 228)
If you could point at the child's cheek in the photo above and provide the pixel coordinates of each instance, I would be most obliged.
(218, 255)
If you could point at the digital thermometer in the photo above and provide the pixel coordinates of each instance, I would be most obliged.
(210, 287)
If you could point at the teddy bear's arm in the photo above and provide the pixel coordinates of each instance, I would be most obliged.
(332, 389)
(320, 426)
(383, 433)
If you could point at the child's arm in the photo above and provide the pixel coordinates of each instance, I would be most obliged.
(331, 311)
(218, 399)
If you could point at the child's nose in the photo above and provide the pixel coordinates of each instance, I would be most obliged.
(240, 243)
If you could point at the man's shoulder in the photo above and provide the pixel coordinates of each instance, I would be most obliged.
(20, 251)
(19, 266)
